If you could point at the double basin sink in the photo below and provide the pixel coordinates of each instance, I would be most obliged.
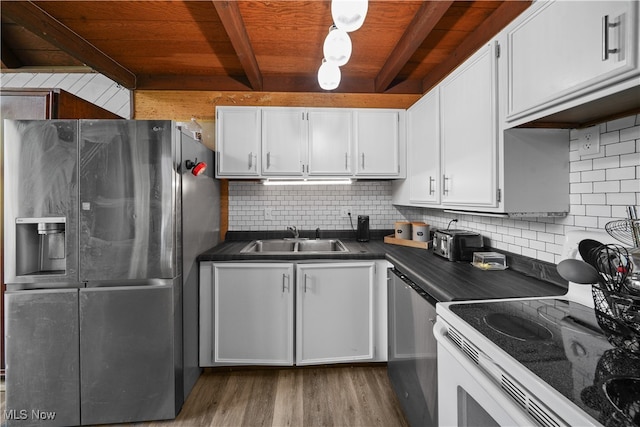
(294, 246)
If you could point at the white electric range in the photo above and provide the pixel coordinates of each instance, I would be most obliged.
(533, 361)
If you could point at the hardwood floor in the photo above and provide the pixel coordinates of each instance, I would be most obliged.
(319, 396)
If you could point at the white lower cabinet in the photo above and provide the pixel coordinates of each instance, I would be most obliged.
(334, 318)
(247, 313)
(253, 314)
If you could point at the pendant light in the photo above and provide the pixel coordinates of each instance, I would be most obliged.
(337, 46)
(348, 15)
(329, 75)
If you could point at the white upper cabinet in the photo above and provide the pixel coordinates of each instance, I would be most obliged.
(377, 142)
(423, 147)
(469, 136)
(284, 141)
(238, 141)
(330, 142)
(564, 52)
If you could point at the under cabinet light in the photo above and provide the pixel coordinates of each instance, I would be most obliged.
(307, 181)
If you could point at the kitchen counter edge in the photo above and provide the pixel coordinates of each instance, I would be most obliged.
(442, 279)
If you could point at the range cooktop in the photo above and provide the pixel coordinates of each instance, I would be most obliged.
(560, 342)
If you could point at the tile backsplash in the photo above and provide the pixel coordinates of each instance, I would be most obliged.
(309, 207)
(601, 186)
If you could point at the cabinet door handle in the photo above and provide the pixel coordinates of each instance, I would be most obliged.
(268, 159)
(250, 161)
(363, 161)
(285, 277)
(606, 25)
(445, 189)
(431, 181)
(305, 283)
(346, 161)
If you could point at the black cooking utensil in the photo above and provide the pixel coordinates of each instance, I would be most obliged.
(588, 249)
(577, 271)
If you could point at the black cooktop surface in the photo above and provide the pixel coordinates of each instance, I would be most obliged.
(561, 342)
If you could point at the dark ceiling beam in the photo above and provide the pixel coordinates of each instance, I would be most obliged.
(229, 14)
(39, 22)
(502, 16)
(8, 58)
(191, 82)
(422, 24)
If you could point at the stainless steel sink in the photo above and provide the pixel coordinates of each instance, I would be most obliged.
(275, 245)
(324, 245)
(294, 246)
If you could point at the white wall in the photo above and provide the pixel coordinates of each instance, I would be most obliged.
(601, 187)
(92, 87)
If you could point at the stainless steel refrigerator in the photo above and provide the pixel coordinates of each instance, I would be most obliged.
(101, 302)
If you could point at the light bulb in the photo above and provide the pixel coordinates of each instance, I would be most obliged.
(348, 15)
(337, 46)
(329, 75)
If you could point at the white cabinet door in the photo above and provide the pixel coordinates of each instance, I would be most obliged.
(284, 141)
(423, 140)
(377, 142)
(330, 142)
(238, 141)
(334, 320)
(469, 136)
(559, 52)
(253, 313)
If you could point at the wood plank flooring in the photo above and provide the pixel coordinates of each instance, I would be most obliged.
(358, 395)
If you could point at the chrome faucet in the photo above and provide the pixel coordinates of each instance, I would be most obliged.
(294, 230)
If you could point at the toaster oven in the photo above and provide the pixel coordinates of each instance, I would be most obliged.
(457, 245)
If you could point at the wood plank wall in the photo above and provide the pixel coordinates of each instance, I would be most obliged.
(184, 105)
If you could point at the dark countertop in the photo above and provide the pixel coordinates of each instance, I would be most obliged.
(443, 279)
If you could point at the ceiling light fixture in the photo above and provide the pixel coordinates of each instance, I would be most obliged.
(337, 46)
(348, 15)
(329, 75)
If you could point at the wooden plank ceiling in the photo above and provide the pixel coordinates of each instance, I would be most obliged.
(404, 46)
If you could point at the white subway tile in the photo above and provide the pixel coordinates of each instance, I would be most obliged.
(577, 209)
(606, 163)
(609, 138)
(621, 173)
(598, 210)
(630, 186)
(632, 160)
(625, 122)
(586, 187)
(606, 187)
(587, 221)
(581, 165)
(626, 199)
(595, 175)
(630, 133)
(619, 148)
(594, 199)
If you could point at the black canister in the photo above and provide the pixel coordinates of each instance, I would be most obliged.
(362, 234)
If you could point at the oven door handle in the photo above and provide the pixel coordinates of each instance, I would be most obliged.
(480, 376)
(483, 361)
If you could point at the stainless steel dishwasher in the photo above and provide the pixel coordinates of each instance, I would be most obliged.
(412, 365)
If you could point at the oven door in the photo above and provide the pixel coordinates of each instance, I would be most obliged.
(467, 395)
